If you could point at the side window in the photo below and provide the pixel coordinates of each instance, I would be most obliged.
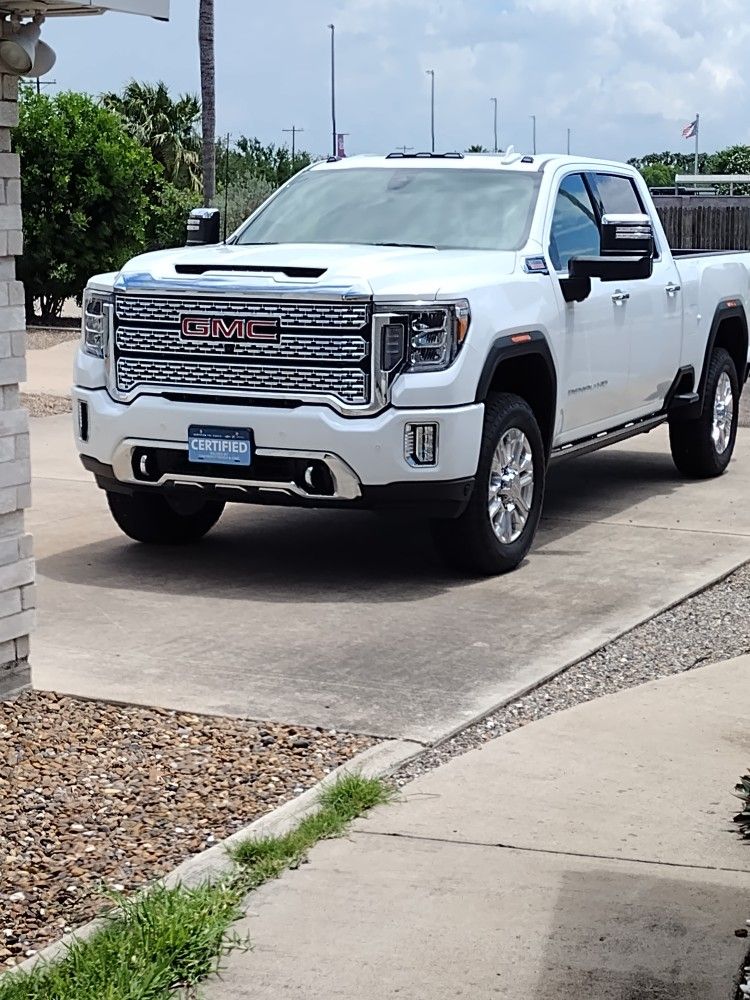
(575, 232)
(618, 194)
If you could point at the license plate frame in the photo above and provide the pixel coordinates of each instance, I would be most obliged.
(209, 444)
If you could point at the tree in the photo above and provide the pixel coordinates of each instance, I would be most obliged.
(682, 163)
(477, 147)
(271, 163)
(658, 175)
(208, 96)
(85, 195)
(164, 126)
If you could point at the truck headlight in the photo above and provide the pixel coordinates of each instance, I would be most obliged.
(97, 312)
(433, 334)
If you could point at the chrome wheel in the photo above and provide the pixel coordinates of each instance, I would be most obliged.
(511, 488)
(723, 414)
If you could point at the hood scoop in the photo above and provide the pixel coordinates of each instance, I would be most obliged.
(290, 271)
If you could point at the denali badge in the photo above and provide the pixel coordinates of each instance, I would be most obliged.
(229, 328)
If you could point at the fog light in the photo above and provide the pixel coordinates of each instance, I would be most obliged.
(421, 444)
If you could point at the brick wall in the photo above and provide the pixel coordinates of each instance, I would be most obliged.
(16, 564)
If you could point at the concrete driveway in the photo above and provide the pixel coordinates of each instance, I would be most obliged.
(347, 620)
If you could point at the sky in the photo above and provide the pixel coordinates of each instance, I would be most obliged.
(623, 75)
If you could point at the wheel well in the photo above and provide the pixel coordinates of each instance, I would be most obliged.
(732, 336)
(529, 377)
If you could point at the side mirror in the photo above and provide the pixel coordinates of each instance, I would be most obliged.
(203, 227)
(627, 236)
(627, 251)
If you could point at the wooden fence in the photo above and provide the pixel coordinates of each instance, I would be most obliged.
(712, 222)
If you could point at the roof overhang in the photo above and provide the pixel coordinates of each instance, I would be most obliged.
(69, 8)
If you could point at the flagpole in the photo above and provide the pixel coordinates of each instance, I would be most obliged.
(697, 130)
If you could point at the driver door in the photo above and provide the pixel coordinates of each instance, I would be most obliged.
(594, 350)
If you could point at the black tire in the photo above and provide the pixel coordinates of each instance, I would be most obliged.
(469, 542)
(157, 520)
(694, 448)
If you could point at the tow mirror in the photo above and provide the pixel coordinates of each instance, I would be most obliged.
(627, 236)
(627, 254)
(203, 227)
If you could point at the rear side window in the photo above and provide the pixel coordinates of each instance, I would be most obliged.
(575, 232)
(618, 195)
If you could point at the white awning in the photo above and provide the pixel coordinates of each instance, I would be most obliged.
(70, 8)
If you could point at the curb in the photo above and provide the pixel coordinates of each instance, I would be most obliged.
(375, 762)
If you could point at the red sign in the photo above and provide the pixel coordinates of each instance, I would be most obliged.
(229, 328)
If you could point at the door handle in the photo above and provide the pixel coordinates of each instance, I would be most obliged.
(619, 297)
(672, 289)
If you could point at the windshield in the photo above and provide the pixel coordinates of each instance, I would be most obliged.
(443, 208)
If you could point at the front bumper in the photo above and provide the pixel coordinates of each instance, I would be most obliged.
(362, 459)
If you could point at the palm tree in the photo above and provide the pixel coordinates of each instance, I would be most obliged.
(165, 126)
(208, 96)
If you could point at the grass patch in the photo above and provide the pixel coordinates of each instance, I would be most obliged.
(265, 858)
(165, 938)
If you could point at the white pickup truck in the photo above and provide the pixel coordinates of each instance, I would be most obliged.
(422, 331)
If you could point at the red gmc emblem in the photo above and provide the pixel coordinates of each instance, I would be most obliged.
(229, 328)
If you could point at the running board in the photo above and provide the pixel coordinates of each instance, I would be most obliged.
(605, 438)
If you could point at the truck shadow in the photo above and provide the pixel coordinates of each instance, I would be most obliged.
(620, 933)
(289, 555)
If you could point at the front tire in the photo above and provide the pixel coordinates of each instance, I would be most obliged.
(497, 528)
(702, 448)
(156, 520)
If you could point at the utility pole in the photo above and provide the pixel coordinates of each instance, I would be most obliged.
(533, 133)
(568, 142)
(431, 74)
(43, 83)
(405, 149)
(494, 102)
(333, 87)
(295, 132)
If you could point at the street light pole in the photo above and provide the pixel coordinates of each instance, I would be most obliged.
(533, 133)
(568, 142)
(494, 101)
(333, 86)
(431, 74)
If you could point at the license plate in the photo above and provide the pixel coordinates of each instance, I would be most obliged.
(219, 445)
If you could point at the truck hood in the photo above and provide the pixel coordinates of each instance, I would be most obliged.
(339, 270)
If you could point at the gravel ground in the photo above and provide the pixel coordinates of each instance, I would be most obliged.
(96, 796)
(38, 338)
(43, 404)
(707, 628)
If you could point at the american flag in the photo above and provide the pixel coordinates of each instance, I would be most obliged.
(691, 130)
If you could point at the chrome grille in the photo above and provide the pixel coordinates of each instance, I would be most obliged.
(324, 349)
(347, 384)
(165, 309)
(146, 340)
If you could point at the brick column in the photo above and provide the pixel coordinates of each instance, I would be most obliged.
(16, 564)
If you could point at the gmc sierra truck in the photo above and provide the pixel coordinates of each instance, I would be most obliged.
(419, 331)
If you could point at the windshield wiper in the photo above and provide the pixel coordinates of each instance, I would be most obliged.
(417, 246)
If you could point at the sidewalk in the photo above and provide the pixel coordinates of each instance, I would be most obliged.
(589, 856)
(50, 371)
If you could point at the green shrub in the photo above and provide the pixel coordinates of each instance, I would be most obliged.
(742, 791)
(85, 195)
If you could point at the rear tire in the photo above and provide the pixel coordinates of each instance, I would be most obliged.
(702, 448)
(157, 520)
(497, 528)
